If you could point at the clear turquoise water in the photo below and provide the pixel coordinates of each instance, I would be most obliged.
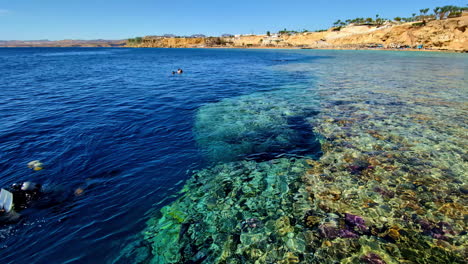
(380, 176)
(288, 140)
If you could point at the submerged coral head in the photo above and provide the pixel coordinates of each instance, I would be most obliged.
(328, 231)
(355, 221)
(345, 233)
(373, 258)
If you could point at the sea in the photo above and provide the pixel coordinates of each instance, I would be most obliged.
(119, 134)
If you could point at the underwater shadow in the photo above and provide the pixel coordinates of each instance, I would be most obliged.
(301, 141)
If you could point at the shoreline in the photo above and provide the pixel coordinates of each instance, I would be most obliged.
(299, 48)
(259, 48)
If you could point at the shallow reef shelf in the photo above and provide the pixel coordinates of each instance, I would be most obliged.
(389, 185)
(296, 211)
(259, 126)
(235, 213)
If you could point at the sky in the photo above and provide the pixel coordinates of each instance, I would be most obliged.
(121, 19)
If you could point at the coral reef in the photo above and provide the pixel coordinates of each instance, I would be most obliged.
(394, 163)
(235, 213)
(390, 186)
(260, 126)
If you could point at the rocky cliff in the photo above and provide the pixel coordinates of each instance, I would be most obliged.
(161, 42)
(450, 34)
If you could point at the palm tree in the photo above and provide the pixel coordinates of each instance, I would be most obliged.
(455, 11)
(423, 13)
(436, 11)
(338, 22)
(446, 10)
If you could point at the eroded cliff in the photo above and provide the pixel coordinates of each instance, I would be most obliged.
(450, 34)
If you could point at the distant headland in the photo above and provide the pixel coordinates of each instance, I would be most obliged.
(63, 43)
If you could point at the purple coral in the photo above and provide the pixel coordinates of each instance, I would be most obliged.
(327, 231)
(425, 225)
(355, 221)
(446, 227)
(356, 169)
(344, 233)
(373, 258)
(437, 231)
(439, 236)
(384, 192)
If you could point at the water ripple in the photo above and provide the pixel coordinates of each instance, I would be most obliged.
(116, 124)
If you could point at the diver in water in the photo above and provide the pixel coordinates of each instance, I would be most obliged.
(25, 194)
(16, 198)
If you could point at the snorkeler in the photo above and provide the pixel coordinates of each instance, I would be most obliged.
(16, 198)
(25, 194)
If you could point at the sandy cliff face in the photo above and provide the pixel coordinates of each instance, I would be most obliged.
(171, 42)
(449, 34)
(160, 42)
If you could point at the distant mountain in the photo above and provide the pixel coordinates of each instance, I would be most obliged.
(62, 43)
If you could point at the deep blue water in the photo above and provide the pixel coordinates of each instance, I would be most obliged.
(117, 124)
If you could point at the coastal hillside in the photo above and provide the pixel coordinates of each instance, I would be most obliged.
(449, 34)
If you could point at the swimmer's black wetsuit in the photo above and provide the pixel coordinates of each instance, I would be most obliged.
(21, 198)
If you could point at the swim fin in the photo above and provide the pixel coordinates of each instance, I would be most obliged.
(6, 200)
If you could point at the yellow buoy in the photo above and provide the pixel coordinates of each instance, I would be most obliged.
(35, 165)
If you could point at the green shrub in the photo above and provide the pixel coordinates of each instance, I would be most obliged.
(337, 28)
(419, 24)
(135, 41)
